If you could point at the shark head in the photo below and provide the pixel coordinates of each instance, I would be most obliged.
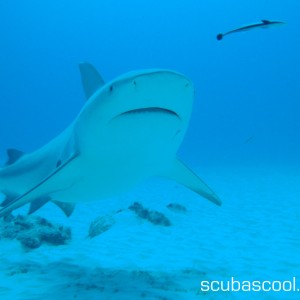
(151, 91)
(146, 92)
(145, 113)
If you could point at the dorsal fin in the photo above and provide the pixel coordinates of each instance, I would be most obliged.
(13, 155)
(90, 78)
(266, 21)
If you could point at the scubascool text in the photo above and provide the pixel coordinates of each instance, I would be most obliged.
(233, 285)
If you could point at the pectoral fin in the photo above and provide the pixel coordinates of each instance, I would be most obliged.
(185, 176)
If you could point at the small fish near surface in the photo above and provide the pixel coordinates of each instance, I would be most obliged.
(262, 24)
(129, 130)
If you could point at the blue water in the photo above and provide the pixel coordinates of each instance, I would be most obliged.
(247, 102)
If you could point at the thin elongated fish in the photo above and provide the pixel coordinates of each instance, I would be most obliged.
(262, 24)
(128, 130)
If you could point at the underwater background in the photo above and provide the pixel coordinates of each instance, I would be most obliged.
(243, 140)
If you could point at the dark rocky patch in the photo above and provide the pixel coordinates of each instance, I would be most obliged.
(177, 207)
(152, 216)
(100, 225)
(33, 231)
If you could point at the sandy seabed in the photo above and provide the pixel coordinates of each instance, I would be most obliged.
(253, 236)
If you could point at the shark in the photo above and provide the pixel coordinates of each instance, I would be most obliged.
(129, 129)
(262, 24)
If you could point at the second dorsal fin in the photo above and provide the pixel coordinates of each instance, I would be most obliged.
(90, 78)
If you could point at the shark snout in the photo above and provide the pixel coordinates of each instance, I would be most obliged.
(162, 78)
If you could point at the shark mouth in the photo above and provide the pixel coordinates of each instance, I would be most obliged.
(148, 110)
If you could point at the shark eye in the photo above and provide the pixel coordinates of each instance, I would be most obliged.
(111, 88)
(58, 163)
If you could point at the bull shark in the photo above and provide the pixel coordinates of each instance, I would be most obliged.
(128, 130)
(262, 24)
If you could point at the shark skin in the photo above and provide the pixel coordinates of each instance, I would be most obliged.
(129, 130)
